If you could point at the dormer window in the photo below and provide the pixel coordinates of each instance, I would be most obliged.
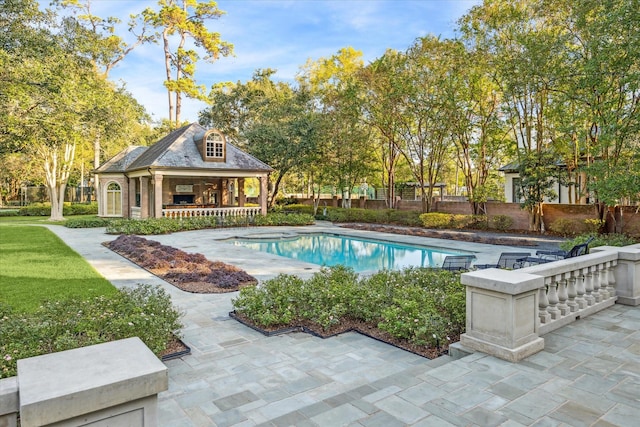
(214, 146)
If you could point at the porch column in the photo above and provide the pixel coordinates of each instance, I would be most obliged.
(144, 197)
(241, 197)
(264, 191)
(157, 193)
(132, 196)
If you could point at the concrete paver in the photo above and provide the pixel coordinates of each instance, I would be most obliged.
(588, 374)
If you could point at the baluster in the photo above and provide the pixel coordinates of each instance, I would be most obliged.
(604, 281)
(588, 286)
(581, 277)
(543, 303)
(552, 297)
(572, 291)
(612, 278)
(596, 282)
(563, 295)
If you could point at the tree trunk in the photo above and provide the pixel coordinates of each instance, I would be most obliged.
(167, 65)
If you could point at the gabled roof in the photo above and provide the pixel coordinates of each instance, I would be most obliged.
(178, 150)
(121, 161)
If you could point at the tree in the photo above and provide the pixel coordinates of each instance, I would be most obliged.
(181, 20)
(382, 112)
(520, 44)
(273, 121)
(96, 37)
(53, 99)
(344, 154)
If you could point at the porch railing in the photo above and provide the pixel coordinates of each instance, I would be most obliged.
(508, 311)
(211, 212)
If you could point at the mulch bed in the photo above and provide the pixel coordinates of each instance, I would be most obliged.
(347, 325)
(188, 272)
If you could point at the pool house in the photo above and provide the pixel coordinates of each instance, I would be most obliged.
(191, 172)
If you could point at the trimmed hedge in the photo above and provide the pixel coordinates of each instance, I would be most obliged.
(170, 225)
(44, 209)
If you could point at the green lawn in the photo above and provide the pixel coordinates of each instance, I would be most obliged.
(35, 265)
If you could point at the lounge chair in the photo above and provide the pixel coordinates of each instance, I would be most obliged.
(457, 262)
(508, 260)
(548, 256)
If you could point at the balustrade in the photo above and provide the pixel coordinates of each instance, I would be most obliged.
(508, 311)
(220, 213)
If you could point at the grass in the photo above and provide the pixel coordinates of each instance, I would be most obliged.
(35, 266)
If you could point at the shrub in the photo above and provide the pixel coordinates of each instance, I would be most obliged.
(600, 240)
(436, 220)
(9, 212)
(422, 306)
(408, 218)
(86, 223)
(144, 311)
(68, 209)
(568, 226)
(502, 222)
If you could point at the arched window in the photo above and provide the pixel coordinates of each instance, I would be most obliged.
(114, 200)
(215, 146)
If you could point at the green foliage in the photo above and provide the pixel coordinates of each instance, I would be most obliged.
(144, 311)
(436, 220)
(568, 226)
(422, 306)
(87, 222)
(501, 222)
(9, 212)
(68, 209)
(169, 225)
(600, 240)
(444, 220)
(283, 219)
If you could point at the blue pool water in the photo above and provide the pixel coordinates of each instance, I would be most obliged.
(360, 254)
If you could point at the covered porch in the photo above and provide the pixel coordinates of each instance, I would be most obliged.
(175, 194)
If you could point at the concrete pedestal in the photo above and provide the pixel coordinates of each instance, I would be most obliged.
(111, 384)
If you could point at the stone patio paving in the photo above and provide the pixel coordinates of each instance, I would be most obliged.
(588, 374)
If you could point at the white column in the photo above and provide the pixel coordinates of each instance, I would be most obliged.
(157, 193)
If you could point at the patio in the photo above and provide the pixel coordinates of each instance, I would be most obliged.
(588, 373)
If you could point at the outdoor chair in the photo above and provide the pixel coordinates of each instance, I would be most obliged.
(544, 256)
(457, 262)
(507, 260)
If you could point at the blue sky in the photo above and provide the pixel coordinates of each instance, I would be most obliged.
(283, 34)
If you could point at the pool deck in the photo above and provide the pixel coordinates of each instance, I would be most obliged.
(588, 374)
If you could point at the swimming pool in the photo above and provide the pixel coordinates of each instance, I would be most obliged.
(360, 254)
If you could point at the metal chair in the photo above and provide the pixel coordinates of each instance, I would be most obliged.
(545, 256)
(457, 262)
(507, 260)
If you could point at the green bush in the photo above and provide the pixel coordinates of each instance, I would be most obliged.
(144, 311)
(86, 222)
(170, 225)
(501, 222)
(408, 218)
(568, 226)
(600, 240)
(68, 209)
(436, 220)
(9, 212)
(422, 306)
